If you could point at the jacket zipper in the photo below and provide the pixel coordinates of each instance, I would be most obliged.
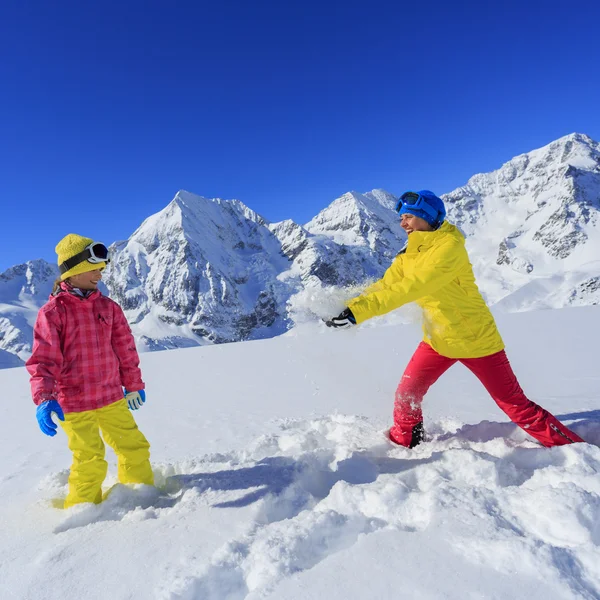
(97, 326)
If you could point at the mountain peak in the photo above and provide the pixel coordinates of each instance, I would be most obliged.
(185, 196)
(576, 149)
(384, 198)
(576, 137)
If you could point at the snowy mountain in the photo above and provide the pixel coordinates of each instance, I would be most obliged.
(210, 270)
(353, 239)
(278, 483)
(205, 271)
(23, 289)
(533, 226)
(199, 270)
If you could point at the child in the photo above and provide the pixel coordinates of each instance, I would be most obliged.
(434, 271)
(83, 355)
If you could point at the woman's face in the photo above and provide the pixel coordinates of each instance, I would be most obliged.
(411, 223)
(86, 281)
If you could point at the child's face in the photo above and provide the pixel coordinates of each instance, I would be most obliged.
(86, 281)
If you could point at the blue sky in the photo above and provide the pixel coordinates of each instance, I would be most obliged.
(109, 108)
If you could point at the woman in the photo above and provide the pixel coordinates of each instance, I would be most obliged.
(434, 271)
(83, 355)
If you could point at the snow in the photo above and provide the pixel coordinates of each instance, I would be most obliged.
(275, 479)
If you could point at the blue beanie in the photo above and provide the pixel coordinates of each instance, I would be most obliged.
(434, 202)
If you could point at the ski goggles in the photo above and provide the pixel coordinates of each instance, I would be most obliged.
(414, 201)
(95, 253)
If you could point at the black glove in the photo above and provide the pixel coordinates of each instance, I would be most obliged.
(344, 319)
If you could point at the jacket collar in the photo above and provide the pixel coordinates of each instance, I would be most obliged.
(66, 290)
(420, 238)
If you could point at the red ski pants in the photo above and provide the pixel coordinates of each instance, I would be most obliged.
(496, 375)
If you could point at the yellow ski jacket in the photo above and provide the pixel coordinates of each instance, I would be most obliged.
(435, 272)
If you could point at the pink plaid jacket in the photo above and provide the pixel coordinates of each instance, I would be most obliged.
(83, 353)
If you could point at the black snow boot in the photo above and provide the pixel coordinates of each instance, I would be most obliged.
(418, 435)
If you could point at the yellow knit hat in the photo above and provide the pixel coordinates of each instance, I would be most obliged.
(68, 247)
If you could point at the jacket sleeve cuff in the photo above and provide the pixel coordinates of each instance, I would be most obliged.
(357, 312)
(134, 387)
(43, 397)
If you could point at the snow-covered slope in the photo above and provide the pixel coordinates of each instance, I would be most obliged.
(278, 482)
(9, 360)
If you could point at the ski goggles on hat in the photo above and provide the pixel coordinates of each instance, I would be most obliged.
(95, 253)
(414, 201)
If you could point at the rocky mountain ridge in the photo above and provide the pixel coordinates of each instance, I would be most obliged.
(211, 270)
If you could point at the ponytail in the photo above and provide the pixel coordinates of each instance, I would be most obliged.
(56, 286)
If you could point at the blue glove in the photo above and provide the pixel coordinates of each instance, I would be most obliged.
(135, 400)
(44, 416)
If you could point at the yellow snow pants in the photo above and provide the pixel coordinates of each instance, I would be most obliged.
(89, 468)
